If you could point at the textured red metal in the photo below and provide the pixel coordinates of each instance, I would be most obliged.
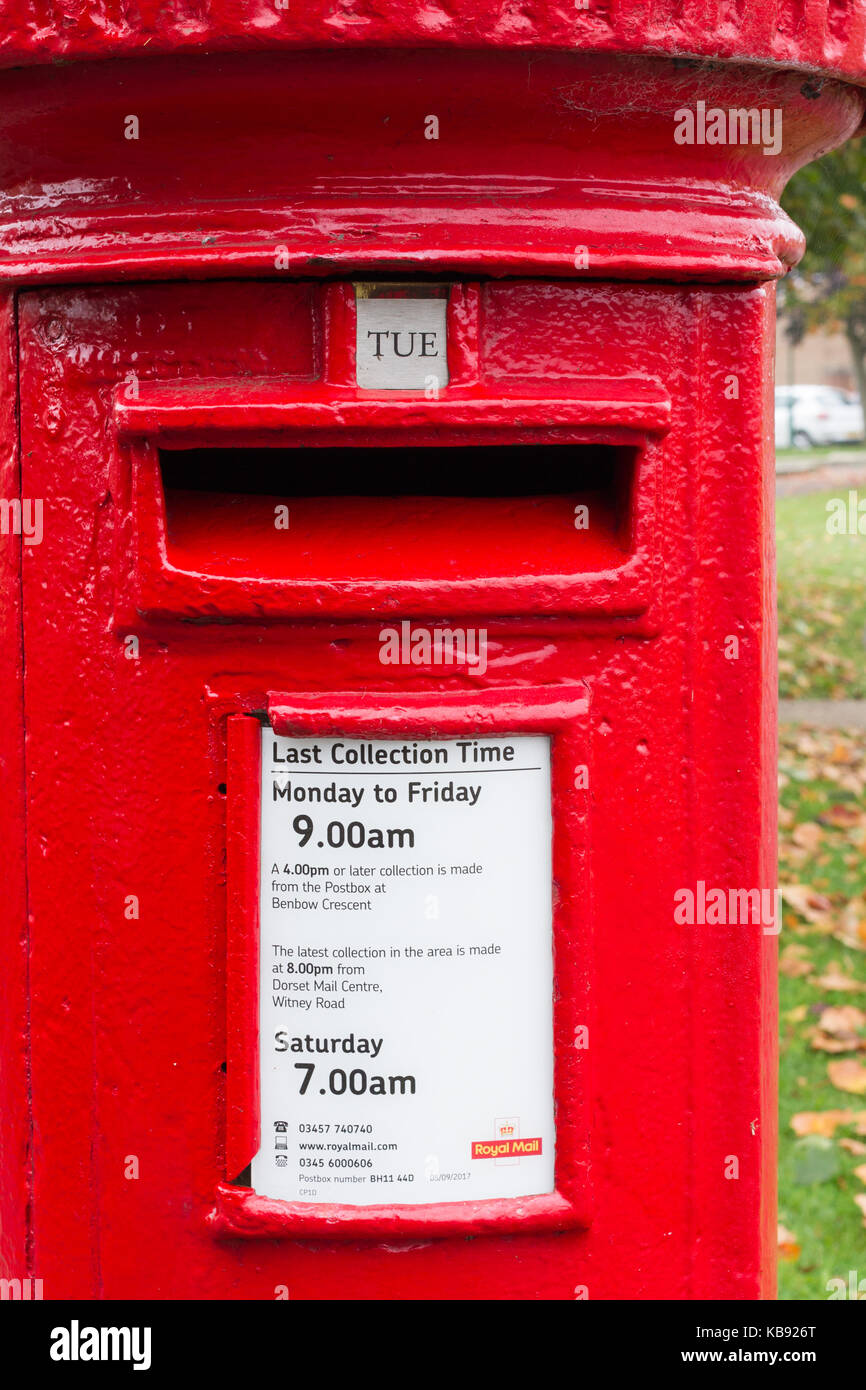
(679, 762)
(191, 561)
(824, 37)
(243, 1129)
(555, 164)
(14, 1002)
(606, 297)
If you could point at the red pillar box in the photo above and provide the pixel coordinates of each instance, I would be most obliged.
(387, 662)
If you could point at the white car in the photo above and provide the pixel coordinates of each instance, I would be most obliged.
(807, 416)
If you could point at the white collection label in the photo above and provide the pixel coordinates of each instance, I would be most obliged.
(401, 344)
(406, 970)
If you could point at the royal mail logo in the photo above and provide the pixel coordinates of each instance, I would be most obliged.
(506, 1127)
(506, 1148)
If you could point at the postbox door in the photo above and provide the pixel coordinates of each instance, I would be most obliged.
(584, 490)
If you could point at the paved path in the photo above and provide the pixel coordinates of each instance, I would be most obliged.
(804, 462)
(821, 475)
(824, 714)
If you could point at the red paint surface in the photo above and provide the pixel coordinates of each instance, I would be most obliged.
(134, 1036)
(126, 759)
(821, 36)
(15, 1135)
(194, 556)
(318, 165)
(243, 1126)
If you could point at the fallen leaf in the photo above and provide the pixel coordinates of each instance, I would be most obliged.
(851, 929)
(814, 907)
(842, 1019)
(853, 1146)
(841, 753)
(789, 1246)
(860, 1172)
(794, 856)
(796, 1015)
(848, 1075)
(842, 816)
(820, 1042)
(834, 978)
(839, 1029)
(795, 960)
(824, 1122)
(808, 835)
(860, 1199)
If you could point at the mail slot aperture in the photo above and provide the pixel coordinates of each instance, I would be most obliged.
(471, 511)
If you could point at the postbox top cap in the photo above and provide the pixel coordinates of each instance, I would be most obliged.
(823, 38)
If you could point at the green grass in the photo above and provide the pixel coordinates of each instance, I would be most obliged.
(820, 771)
(820, 451)
(822, 602)
(822, 654)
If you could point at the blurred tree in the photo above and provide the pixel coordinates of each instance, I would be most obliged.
(828, 289)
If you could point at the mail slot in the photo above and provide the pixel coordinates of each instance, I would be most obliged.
(388, 660)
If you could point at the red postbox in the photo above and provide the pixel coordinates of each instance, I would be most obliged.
(388, 661)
